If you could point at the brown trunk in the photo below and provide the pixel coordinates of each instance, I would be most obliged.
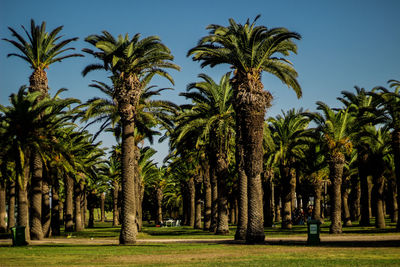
(250, 103)
(115, 203)
(11, 205)
(232, 209)
(23, 209)
(139, 190)
(214, 199)
(379, 185)
(36, 199)
(241, 229)
(3, 213)
(345, 203)
(198, 183)
(159, 198)
(336, 165)
(139, 211)
(363, 169)
(46, 215)
(191, 207)
(355, 196)
(102, 210)
(83, 205)
(317, 198)
(207, 196)
(286, 176)
(69, 194)
(91, 206)
(293, 195)
(222, 176)
(78, 213)
(55, 209)
(278, 203)
(393, 201)
(62, 216)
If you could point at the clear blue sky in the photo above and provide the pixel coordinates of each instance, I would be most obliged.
(344, 42)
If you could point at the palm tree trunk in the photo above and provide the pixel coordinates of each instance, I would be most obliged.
(36, 199)
(318, 199)
(83, 205)
(241, 229)
(115, 203)
(78, 213)
(91, 206)
(222, 176)
(364, 201)
(207, 196)
(355, 196)
(379, 191)
(214, 200)
(55, 209)
(336, 165)
(3, 213)
(293, 195)
(393, 200)
(102, 210)
(345, 203)
(128, 209)
(198, 184)
(286, 176)
(11, 205)
(23, 208)
(268, 198)
(46, 215)
(191, 207)
(69, 193)
(159, 198)
(139, 211)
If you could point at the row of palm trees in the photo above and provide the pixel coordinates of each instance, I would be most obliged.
(218, 142)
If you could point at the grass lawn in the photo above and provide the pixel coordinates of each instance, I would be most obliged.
(205, 254)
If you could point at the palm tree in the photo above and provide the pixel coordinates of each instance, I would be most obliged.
(40, 50)
(250, 50)
(208, 122)
(291, 137)
(390, 104)
(131, 62)
(334, 127)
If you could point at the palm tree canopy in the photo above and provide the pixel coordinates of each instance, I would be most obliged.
(41, 49)
(250, 49)
(141, 58)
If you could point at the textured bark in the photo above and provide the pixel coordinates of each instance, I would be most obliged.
(379, 190)
(198, 199)
(3, 225)
(336, 164)
(355, 196)
(23, 210)
(102, 210)
(115, 203)
(36, 198)
(250, 103)
(345, 203)
(83, 205)
(38, 82)
(55, 209)
(69, 193)
(11, 205)
(159, 198)
(317, 199)
(286, 176)
(139, 190)
(207, 196)
(393, 201)
(363, 169)
(46, 214)
(77, 202)
(278, 203)
(91, 206)
(241, 229)
(222, 176)
(293, 195)
(214, 198)
(191, 207)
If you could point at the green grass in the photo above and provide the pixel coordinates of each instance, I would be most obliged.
(161, 254)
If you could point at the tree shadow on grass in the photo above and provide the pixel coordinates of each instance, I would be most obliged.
(342, 243)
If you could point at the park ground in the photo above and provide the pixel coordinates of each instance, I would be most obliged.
(182, 246)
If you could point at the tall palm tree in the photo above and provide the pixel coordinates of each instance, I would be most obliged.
(334, 127)
(291, 138)
(390, 104)
(40, 50)
(250, 50)
(209, 122)
(131, 62)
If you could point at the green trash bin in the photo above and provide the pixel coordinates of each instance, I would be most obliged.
(313, 230)
(18, 236)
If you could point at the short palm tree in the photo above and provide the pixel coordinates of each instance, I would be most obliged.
(335, 128)
(40, 50)
(131, 62)
(250, 50)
